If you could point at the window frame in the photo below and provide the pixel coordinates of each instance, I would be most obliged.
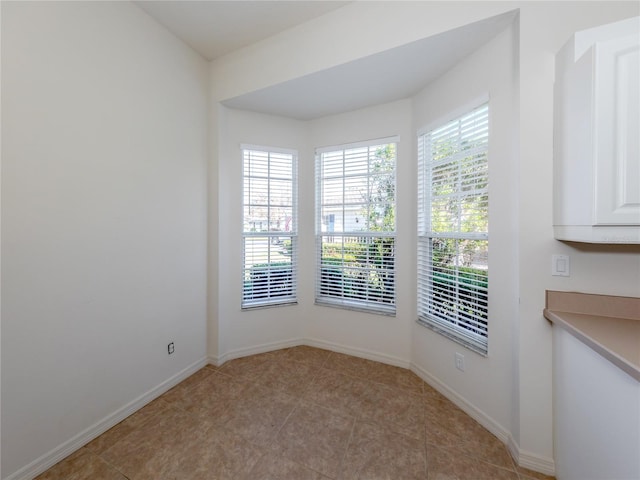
(273, 276)
(460, 327)
(386, 240)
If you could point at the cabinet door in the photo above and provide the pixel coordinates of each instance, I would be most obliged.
(617, 127)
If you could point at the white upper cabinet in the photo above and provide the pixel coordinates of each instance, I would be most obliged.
(597, 135)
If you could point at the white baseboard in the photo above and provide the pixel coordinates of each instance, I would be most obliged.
(358, 352)
(334, 347)
(537, 463)
(522, 458)
(514, 449)
(254, 350)
(530, 460)
(482, 418)
(62, 451)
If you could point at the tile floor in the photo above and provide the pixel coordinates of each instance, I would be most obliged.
(296, 414)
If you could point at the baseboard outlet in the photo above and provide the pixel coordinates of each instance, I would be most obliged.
(52, 457)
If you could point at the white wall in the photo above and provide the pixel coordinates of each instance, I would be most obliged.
(486, 382)
(375, 336)
(241, 332)
(611, 270)
(340, 36)
(526, 392)
(104, 210)
(104, 129)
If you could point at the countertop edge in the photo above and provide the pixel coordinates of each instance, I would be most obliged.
(622, 363)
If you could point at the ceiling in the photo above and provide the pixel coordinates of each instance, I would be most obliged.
(384, 77)
(215, 28)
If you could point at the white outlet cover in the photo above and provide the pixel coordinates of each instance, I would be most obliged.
(459, 361)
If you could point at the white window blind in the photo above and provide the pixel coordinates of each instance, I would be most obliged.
(355, 226)
(453, 229)
(270, 241)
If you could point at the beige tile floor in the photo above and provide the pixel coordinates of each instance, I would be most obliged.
(296, 414)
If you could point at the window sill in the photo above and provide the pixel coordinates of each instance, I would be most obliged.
(246, 308)
(454, 338)
(345, 305)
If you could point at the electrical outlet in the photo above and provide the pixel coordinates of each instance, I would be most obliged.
(460, 362)
(171, 348)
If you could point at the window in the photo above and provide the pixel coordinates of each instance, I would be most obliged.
(356, 225)
(270, 241)
(453, 234)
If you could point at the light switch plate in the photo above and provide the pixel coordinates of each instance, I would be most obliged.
(560, 266)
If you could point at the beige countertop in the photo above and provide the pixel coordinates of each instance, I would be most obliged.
(608, 324)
